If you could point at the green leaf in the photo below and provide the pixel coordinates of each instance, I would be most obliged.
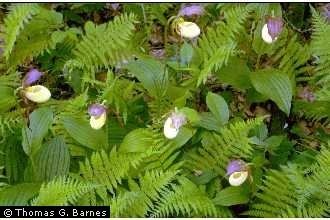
(191, 114)
(7, 98)
(18, 194)
(218, 106)
(186, 53)
(138, 140)
(52, 160)
(80, 130)
(232, 195)
(152, 74)
(40, 121)
(274, 85)
(236, 73)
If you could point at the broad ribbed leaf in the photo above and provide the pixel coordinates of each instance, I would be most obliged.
(232, 195)
(138, 140)
(152, 75)
(80, 130)
(18, 194)
(52, 160)
(40, 121)
(274, 85)
(218, 106)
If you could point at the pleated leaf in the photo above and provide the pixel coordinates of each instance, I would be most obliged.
(275, 86)
(52, 160)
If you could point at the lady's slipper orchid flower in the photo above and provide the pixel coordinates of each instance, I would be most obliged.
(237, 171)
(272, 29)
(37, 93)
(188, 30)
(98, 113)
(173, 123)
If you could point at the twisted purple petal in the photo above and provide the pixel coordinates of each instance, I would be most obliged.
(178, 119)
(190, 10)
(275, 26)
(32, 76)
(96, 110)
(235, 166)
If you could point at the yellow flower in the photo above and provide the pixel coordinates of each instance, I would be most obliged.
(37, 93)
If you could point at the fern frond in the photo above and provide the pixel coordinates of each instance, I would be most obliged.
(186, 199)
(320, 46)
(218, 44)
(62, 191)
(105, 45)
(9, 121)
(292, 57)
(218, 149)
(108, 170)
(36, 37)
(19, 16)
(317, 111)
(304, 195)
(140, 199)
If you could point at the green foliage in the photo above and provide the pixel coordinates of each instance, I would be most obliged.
(62, 191)
(218, 107)
(274, 85)
(218, 44)
(219, 148)
(39, 122)
(306, 193)
(105, 45)
(133, 60)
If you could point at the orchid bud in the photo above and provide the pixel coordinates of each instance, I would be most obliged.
(98, 115)
(173, 123)
(237, 171)
(272, 29)
(38, 93)
(188, 30)
(191, 10)
(31, 77)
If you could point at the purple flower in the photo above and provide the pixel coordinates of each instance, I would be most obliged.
(114, 6)
(96, 110)
(307, 94)
(178, 119)
(32, 76)
(235, 166)
(275, 26)
(326, 11)
(191, 10)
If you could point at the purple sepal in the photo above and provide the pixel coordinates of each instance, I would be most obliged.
(96, 110)
(235, 166)
(178, 119)
(32, 76)
(275, 26)
(191, 10)
(326, 12)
